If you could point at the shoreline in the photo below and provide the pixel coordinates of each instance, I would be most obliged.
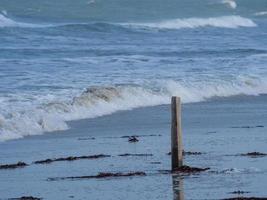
(218, 129)
(78, 123)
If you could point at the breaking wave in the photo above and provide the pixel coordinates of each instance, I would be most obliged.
(99, 101)
(219, 22)
(7, 22)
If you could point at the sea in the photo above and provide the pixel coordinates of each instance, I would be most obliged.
(78, 78)
(68, 60)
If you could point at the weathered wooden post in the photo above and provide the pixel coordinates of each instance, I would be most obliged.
(176, 134)
(178, 187)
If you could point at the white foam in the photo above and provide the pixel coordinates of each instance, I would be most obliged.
(230, 3)
(261, 13)
(241, 170)
(4, 12)
(5, 21)
(219, 22)
(91, 2)
(99, 101)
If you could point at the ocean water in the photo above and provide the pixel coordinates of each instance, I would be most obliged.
(68, 60)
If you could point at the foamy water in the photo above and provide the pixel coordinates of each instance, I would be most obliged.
(231, 3)
(220, 22)
(99, 101)
(70, 64)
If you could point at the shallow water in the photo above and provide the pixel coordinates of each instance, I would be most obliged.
(207, 128)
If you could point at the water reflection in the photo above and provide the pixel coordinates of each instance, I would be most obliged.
(178, 187)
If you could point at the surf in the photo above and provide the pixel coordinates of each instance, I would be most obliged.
(98, 101)
(218, 22)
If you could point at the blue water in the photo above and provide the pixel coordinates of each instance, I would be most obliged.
(68, 60)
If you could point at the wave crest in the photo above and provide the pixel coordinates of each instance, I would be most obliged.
(7, 22)
(99, 101)
(219, 22)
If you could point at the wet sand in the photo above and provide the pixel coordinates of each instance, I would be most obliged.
(222, 130)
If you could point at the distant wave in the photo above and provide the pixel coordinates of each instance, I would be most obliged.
(263, 13)
(99, 101)
(7, 22)
(219, 22)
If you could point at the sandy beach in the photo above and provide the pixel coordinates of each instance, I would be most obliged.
(221, 130)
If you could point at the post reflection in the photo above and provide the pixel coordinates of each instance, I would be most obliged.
(178, 187)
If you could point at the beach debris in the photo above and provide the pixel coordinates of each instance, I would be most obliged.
(129, 154)
(137, 136)
(239, 192)
(191, 153)
(151, 135)
(100, 176)
(188, 153)
(133, 139)
(47, 161)
(13, 166)
(185, 170)
(71, 158)
(248, 127)
(88, 138)
(254, 154)
(27, 198)
(189, 170)
(246, 198)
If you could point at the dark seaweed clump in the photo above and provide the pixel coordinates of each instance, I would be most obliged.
(71, 158)
(129, 154)
(133, 139)
(248, 127)
(238, 192)
(27, 198)
(13, 166)
(101, 175)
(188, 170)
(184, 170)
(189, 153)
(254, 154)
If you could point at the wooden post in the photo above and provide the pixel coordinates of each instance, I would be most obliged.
(178, 187)
(176, 134)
